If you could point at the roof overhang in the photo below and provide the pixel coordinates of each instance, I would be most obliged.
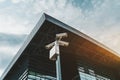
(79, 42)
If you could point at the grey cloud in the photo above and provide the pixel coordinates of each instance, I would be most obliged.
(5, 60)
(11, 39)
(83, 4)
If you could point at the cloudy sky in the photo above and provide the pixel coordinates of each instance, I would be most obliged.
(100, 19)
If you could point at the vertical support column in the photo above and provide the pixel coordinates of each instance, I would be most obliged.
(58, 68)
(58, 63)
(55, 53)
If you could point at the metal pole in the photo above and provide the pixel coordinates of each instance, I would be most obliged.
(58, 65)
(55, 51)
(58, 68)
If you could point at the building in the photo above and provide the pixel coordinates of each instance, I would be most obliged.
(83, 59)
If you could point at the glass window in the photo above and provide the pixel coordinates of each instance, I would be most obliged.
(37, 76)
(85, 76)
(91, 75)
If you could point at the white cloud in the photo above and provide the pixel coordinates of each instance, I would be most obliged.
(1, 71)
(17, 1)
(2, 0)
(11, 50)
(7, 52)
(60, 9)
(12, 25)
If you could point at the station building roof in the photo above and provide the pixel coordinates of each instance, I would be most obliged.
(81, 45)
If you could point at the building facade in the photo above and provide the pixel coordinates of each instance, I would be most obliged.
(83, 59)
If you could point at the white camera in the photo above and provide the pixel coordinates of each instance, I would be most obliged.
(61, 35)
(58, 38)
(63, 43)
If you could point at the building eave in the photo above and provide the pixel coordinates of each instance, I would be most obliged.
(43, 18)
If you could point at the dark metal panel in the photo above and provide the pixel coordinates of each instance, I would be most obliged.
(80, 34)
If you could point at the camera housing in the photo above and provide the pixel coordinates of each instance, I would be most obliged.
(61, 35)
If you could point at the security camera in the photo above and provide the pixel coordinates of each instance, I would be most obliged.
(61, 35)
(50, 45)
(63, 43)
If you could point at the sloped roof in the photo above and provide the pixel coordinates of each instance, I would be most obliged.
(79, 42)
